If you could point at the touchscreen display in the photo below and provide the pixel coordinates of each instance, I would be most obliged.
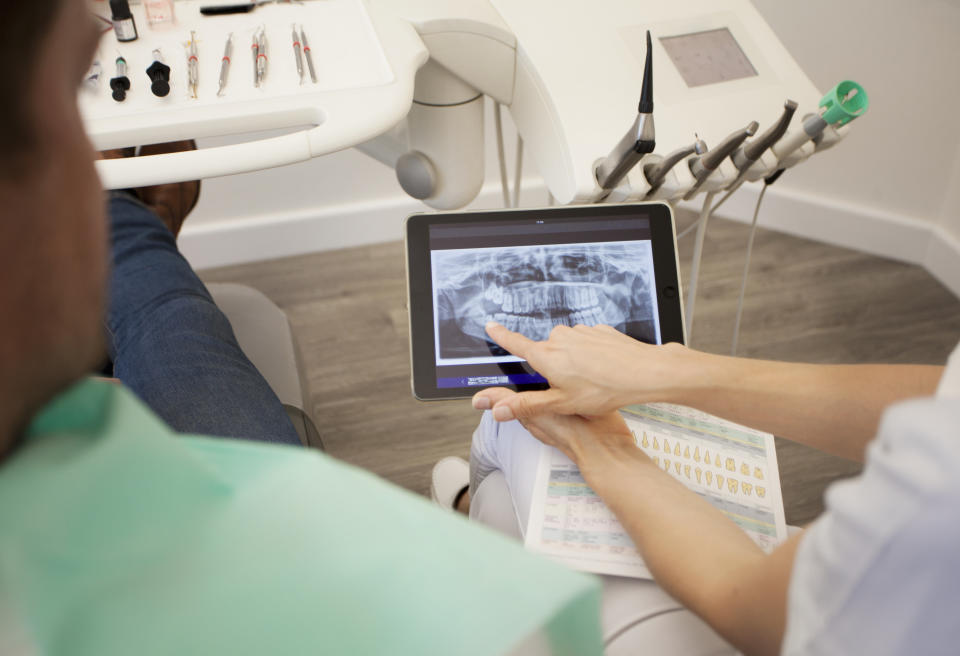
(532, 276)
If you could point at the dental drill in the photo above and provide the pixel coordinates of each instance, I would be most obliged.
(639, 139)
(703, 165)
(656, 172)
(750, 152)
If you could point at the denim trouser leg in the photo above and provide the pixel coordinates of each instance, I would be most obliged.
(172, 346)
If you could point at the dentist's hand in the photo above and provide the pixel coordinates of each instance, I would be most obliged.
(595, 444)
(592, 371)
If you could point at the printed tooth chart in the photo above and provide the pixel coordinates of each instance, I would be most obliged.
(731, 466)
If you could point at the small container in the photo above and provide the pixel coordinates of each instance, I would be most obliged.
(123, 24)
(159, 13)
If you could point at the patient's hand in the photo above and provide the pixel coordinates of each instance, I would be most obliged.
(592, 370)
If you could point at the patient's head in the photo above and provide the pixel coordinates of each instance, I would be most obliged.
(52, 232)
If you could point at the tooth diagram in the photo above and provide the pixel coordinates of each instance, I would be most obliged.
(532, 289)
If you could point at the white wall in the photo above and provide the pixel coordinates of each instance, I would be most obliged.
(899, 157)
(891, 188)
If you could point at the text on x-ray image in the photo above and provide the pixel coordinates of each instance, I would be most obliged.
(532, 289)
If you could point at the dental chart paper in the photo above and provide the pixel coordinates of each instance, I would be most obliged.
(731, 466)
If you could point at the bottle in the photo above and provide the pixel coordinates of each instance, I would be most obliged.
(123, 24)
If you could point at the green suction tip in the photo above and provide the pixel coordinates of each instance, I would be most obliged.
(844, 102)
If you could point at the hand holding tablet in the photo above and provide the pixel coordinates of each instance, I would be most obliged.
(531, 271)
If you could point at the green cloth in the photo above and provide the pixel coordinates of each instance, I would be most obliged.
(119, 537)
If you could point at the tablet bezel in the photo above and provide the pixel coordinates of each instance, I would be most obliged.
(420, 292)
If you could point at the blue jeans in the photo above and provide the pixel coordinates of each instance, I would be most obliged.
(172, 346)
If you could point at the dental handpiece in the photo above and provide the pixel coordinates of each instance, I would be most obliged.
(656, 173)
(701, 167)
(225, 64)
(297, 53)
(639, 140)
(812, 127)
(750, 152)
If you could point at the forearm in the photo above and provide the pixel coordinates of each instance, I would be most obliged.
(696, 554)
(835, 408)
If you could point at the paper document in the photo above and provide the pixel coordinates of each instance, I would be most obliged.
(731, 466)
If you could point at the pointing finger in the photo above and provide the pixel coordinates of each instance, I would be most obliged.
(513, 342)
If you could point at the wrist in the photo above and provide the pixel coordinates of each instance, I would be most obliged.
(683, 375)
(605, 464)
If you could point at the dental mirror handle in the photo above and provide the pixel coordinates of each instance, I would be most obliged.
(655, 173)
(701, 167)
(751, 151)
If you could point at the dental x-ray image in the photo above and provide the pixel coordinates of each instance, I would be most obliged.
(531, 289)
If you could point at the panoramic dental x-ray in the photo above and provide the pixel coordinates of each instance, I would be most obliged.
(532, 289)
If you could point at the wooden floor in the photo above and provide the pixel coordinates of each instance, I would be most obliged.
(805, 301)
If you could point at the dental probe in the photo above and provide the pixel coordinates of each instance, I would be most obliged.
(308, 55)
(655, 173)
(639, 139)
(701, 167)
(225, 64)
(297, 54)
(193, 72)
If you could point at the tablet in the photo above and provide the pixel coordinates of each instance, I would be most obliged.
(532, 270)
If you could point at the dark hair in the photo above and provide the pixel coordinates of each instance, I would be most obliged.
(25, 24)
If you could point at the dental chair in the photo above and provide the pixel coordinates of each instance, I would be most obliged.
(264, 334)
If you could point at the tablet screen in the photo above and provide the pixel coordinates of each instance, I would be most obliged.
(532, 277)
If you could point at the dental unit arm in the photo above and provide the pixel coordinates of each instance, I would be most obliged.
(411, 77)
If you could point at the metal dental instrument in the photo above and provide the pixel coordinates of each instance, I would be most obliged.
(225, 64)
(261, 56)
(193, 65)
(121, 83)
(297, 52)
(746, 155)
(255, 49)
(308, 55)
(701, 167)
(655, 173)
(639, 139)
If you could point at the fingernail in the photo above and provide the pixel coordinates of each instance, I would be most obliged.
(481, 403)
(503, 413)
(492, 324)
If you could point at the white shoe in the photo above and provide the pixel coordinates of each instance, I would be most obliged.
(451, 476)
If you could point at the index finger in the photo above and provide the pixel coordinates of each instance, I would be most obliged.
(514, 342)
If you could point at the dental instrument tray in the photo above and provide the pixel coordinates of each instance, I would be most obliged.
(364, 62)
(532, 270)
